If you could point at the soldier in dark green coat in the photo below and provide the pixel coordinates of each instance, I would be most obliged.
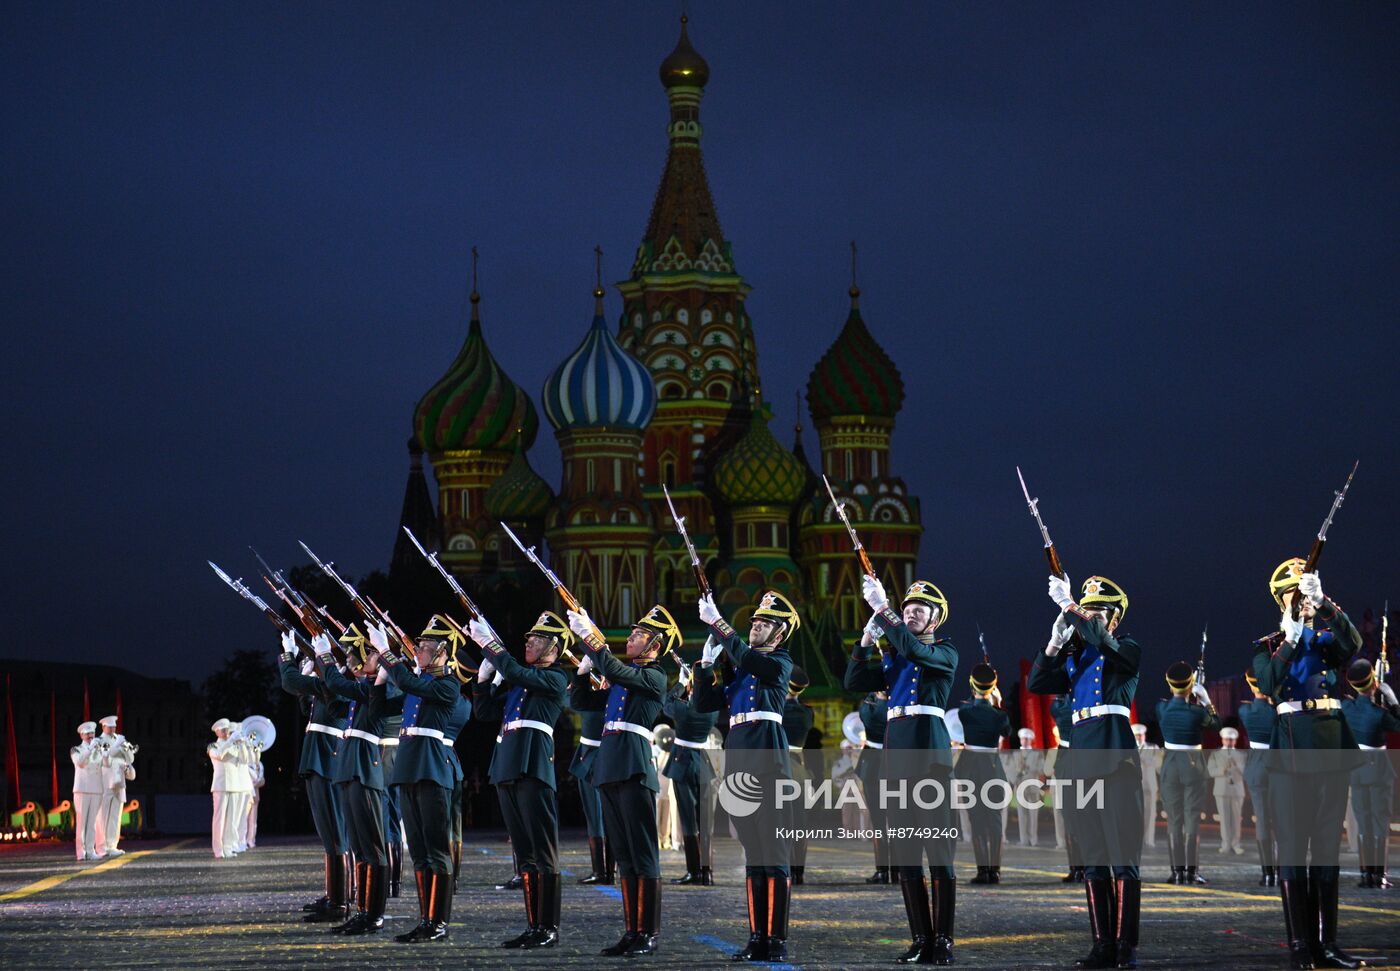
(623, 769)
(1258, 719)
(869, 769)
(1182, 721)
(984, 725)
(1061, 710)
(1311, 758)
(328, 717)
(1370, 715)
(528, 700)
(590, 731)
(797, 722)
(692, 776)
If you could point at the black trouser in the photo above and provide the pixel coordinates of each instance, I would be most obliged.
(1183, 790)
(457, 811)
(869, 770)
(986, 834)
(364, 819)
(695, 805)
(1108, 833)
(629, 819)
(917, 832)
(1261, 797)
(1371, 801)
(592, 807)
(325, 814)
(1308, 811)
(427, 816)
(531, 811)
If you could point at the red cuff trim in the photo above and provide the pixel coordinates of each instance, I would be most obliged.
(1078, 611)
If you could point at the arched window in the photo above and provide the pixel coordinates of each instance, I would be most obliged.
(668, 472)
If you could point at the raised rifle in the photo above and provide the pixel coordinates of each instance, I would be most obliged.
(301, 598)
(851, 530)
(1319, 541)
(986, 658)
(404, 648)
(241, 588)
(446, 574)
(1056, 567)
(1382, 663)
(1201, 661)
(700, 578)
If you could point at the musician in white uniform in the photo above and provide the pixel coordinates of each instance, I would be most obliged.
(87, 791)
(259, 779)
(1226, 768)
(224, 753)
(1026, 762)
(1151, 758)
(116, 761)
(238, 779)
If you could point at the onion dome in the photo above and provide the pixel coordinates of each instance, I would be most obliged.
(600, 385)
(684, 65)
(519, 492)
(758, 471)
(855, 376)
(474, 405)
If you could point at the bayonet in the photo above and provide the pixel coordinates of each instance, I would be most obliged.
(1201, 661)
(851, 530)
(367, 611)
(278, 621)
(700, 578)
(1056, 567)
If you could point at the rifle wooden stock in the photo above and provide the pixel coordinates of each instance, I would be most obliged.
(1056, 567)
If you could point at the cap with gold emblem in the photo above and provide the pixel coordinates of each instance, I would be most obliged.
(983, 679)
(774, 606)
(551, 624)
(1361, 675)
(798, 680)
(921, 591)
(658, 620)
(1285, 578)
(1180, 677)
(355, 645)
(1103, 592)
(440, 629)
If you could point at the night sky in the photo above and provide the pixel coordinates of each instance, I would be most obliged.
(1147, 252)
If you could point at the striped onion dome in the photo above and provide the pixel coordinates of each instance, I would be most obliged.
(519, 493)
(758, 470)
(474, 405)
(600, 385)
(855, 376)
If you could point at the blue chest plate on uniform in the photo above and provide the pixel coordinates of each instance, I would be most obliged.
(742, 694)
(411, 704)
(617, 703)
(1308, 675)
(515, 704)
(1085, 671)
(904, 677)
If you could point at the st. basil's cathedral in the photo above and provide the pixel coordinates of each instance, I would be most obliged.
(671, 395)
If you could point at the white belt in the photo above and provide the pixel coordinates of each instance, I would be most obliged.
(1177, 747)
(427, 733)
(794, 748)
(684, 744)
(1370, 748)
(755, 716)
(1312, 704)
(1063, 745)
(356, 733)
(527, 723)
(909, 711)
(590, 742)
(324, 729)
(646, 733)
(1081, 714)
(981, 748)
(1258, 744)
(870, 744)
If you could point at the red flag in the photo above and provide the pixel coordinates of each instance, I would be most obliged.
(1035, 711)
(87, 708)
(119, 710)
(53, 745)
(11, 747)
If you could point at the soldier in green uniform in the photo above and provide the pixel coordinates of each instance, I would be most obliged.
(757, 748)
(797, 722)
(623, 769)
(873, 709)
(426, 769)
(1184, 775)
(359, 776)
(917, 670)
(590, 720)
(1098, 667)
(1371, 714)
(984, 726)
(692, 776)
(328, 717)
(1062, 710)
(528, 701)
(1258, 717)
(1313, 752)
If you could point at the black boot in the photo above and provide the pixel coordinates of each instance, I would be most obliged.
(395, 868)
(648, 939)
(595, 856)
(339, 881)
(707, 877)
(1327, 954)
(514, 883)
(1266, 864)
(919, 910)
(799, 863)
(882, 872)
(609, 864)
(322, 902)
(421, 881)
(692, 860)
(1296, 918)
(944, 894)
(994, 857)
(1382, 880)
(530, 883)
(779, 902)
(1128, 899)
(1193, 859)
(456, 863)
(757, 949)
(376, 897)
(357, 918)
(549, 889)
(1076, 872)
(439, 905)
(1104, 953)
(630, 905)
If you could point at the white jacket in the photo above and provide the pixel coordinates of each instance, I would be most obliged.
(221, 755)
(87, 768)
(115, 763)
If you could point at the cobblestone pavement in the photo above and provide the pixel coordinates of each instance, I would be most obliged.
(167, 903)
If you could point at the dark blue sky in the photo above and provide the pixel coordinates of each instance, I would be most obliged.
(1148, 252)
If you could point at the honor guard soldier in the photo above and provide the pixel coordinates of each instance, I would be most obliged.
(1370, 715)
(591, 715)
(529, 701)
(1184, 768)
(1313, 752)
(1258, 717)
(757, 748)
(355, 642)
(624, 771)
(984, 726)
(116, 761)
(325, 728)
(426, 768)
(1061, 711)
(693, 779)
(359, 776)
(873, 713)
(1099, 669)
(87, 791)
(1226, 768)
(1151, 756)
(917, 670)
(797, 722)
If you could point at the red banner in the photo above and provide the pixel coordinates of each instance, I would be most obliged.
(53, 746)
(1035, 711)
(11, 746)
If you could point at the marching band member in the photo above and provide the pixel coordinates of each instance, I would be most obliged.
(693, 779)
(250, 826)
(1370, 715)
(1184, 768)
(1226, 768)
(116, 761)
(224, 754)
(984, 724)
(1151, 757)
(1027, 762)
(87, 792)
(1258, 717)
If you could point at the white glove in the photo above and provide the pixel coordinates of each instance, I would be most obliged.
(580, 623)
(289, 643)
(1388, 693)
(873, 630)
(321, 644)
(684, 676)
(498, 679)
(1310, 586)
(585, 665)
(1292, 628)
(1060, 592)
(382, 677)
(481, 632)
(308, 668)
(1060, 633)
(874, 593)
(710, 652)
(1202, 695)
(483, 673)
(709, 613)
